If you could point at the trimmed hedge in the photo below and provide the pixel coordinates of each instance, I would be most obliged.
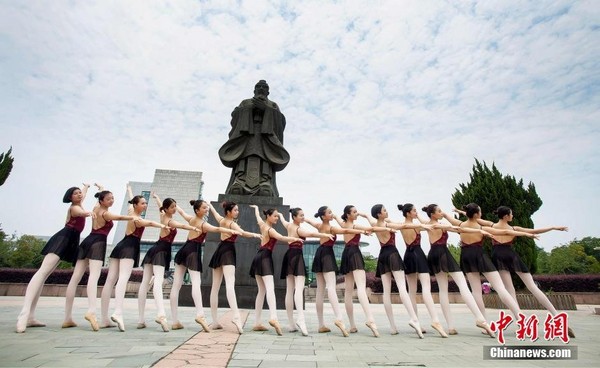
(547, 283)
(23, 275)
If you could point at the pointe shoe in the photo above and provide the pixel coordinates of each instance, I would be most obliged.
(91, 318)
(302, 327)
(417, 327)
(393, 332)
(292, 329)
(339, 324)
(216, 326)
(202, 322)
(162, 321)
(373, 328)
(119, 321)
(35, 323)
(259, 328)
(238, 324)
(141, 325)
(452, 331)
(353, 330)
(487, 329)
(68, 324)
(177, 326)
(275, 324)
(571, 333)
(436, 326)
(324, 329)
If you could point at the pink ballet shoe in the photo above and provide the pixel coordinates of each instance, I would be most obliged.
(373, 328)
(339, 324)
(438, 327)
(202, 322)
(91, 318)
(417, 327)
(275, 324)
(162, 321)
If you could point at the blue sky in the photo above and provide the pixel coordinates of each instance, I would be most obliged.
(386, 102)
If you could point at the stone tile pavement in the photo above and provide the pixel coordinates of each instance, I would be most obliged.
(52, 346)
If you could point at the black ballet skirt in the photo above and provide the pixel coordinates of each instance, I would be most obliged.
(505, 258)
(389, 260)
(324, 260)
(474, 259)
(64, 244)
(293, 262)
(159, 254)
(93, 247)
(262, 264)
(128, 248)
(415, 260)
(190, 256)
(440, 260)
(224, 255)
(352, 259)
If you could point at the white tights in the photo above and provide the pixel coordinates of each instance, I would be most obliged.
(496, 282)
(461, 282)
(327, 280)
(92, 286)
(159, 276)
(426, 292)
(227, 271)
(119, 271)
(386, 280)
(530, 285)
(294, 294)
(196, 292)
(266, 287)
(35, 286)
(360, 278)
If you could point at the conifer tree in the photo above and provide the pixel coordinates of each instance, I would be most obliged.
(6, 164)
(490, 189)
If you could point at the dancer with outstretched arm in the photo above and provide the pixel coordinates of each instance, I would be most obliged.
(223, 263)
(262, 267)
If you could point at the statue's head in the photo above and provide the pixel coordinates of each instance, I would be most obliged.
(261, 89)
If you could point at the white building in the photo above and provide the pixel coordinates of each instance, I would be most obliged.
(182, 186)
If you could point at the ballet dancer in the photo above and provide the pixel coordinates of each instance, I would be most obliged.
(223, 264)
(189, 258)
(91, 252)
(390, 265)
(61, 246)
(157, 260)
(293, 268)
(124, 257)
(262, 267)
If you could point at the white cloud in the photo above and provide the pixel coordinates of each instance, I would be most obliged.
(383, 105)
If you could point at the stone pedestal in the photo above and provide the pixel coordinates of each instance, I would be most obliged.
(246, 249)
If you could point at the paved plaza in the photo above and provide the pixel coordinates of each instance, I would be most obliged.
(52, 346)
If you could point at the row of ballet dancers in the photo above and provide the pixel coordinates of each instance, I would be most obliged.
(413, 267)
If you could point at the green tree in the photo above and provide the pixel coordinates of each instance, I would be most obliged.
(370, 263)
(490, 189)
(571, 258)
(455, 251)
(6, 165)
(590, 245)
(26, 252)
(542, 260)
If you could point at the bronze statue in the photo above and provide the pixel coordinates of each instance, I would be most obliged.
(255, 149)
